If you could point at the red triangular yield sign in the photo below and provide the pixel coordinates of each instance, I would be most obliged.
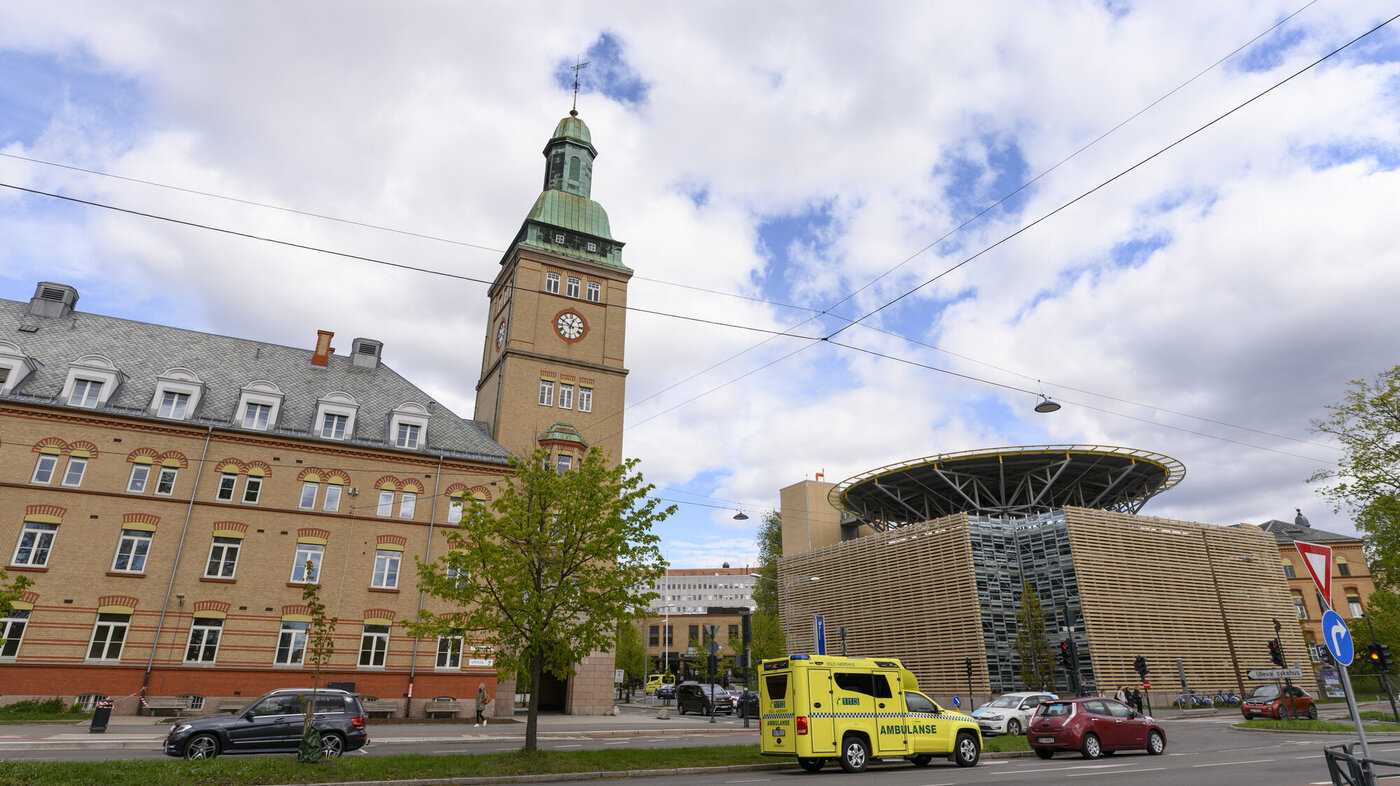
(1318, 560)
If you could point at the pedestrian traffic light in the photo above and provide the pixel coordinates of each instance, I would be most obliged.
(1140, 666)
(1276, 652)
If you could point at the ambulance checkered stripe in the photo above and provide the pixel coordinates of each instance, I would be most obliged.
(824, 715)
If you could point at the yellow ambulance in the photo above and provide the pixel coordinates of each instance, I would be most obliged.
(657, 680)
(819, 708)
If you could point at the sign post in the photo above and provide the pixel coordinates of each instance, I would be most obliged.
(819, 626)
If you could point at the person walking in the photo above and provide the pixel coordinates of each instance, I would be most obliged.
(1135, 700)
(1122, 694)
(481, 704)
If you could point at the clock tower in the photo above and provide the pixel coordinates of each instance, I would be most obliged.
(552, 373)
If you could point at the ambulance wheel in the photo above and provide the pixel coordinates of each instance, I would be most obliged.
(921, 759)
(810, 765)
(855, 754)
(967, 751)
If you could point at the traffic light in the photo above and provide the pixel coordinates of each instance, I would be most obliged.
(1385, 656)
(1276, 652)
(1065, 654)
(1140, 666)
(968, 664)
(1380, 655)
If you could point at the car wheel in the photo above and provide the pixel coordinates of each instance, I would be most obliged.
(1044, 753)
(202, 746)
(680, 708)
(967, 751)
(921, 759)
(1312, 712)
(1013, 727)
(1283, 713)
(1156, 743)
(855, 754)
(1092, 748)
(810, 765)
(332, 745)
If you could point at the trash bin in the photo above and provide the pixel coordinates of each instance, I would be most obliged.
(100, 713)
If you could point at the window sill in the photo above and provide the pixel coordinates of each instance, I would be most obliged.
(299, 583)
(214, 580)
(126, 575)
(28, 569)
(384, 589)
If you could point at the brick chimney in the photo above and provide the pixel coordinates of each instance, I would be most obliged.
(324, 350)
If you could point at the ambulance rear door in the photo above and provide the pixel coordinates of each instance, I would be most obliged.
(776, 700)
(821, 711)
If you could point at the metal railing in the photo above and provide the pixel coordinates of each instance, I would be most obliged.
(1347, 769)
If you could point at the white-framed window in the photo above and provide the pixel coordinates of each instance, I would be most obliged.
(454, 509)
(408, 425)
(449, 652)
(573, 286)
(165, 481)
(132, 549)
(592, 247)
(1300, 606)
(333, 425)
(546, 392)
(565, 461)
(204, 640)
(228, 482)
(256, 416)
(551, 283)
(291, 642)
(374, 645)
(408, 503)
(407, 436)
(35, 543)
(139, 474)
(12, 631)
(1354, 605)
(14, 366)
(386, 569)
(173, 405)
(108, 635)
(44, 467)
(252, 489)
(595, 291)
(386, 503)
(332, 503)
(585, 399)
(308, 495)
(73, 475)
(223, 558)
(86, 393)
(566, 396)
(307, 552)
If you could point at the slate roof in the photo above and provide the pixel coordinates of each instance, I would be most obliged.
(141, 351)
(1285, 532)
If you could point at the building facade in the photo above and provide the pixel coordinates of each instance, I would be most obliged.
(688, 599)
(166, 489)
(1352, 584)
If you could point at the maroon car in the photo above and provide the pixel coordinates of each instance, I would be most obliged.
(1093, 726)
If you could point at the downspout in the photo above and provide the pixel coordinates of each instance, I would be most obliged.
(165, 605)
(427, 554)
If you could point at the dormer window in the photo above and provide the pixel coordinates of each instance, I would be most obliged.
(92, 379)
(259, 403)
(177, 396)
(335, 416)
(408, 426)
(85, 393)
(14, 366)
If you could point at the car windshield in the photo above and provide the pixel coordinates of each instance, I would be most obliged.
(1056, 708)
(1265, 692)
(1006, 701)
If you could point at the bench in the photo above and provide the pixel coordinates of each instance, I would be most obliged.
(450, 707)
(386, 706)
(231, 706)
(176, 703)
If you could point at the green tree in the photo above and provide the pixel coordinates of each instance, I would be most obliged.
(766, 626)
(546, 572)
(9, 593)
(1032, 644)
(1367, 478)
(631, 653)
(320, 646)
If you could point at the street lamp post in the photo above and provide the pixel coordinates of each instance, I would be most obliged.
(787, 616)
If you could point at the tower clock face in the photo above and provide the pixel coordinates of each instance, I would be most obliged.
(570, 326)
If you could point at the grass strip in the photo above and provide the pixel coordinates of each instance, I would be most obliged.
(1316, 725)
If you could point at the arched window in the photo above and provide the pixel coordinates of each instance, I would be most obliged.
(575, 168)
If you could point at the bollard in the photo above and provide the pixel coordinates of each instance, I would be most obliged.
(100, 713)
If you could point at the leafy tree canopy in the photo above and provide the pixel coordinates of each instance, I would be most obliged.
(767, 630)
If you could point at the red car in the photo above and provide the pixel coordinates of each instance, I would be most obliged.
(1267, 701)
(1093, 726)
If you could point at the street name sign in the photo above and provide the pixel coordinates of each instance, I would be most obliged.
(1275, 674)
(1318, 560)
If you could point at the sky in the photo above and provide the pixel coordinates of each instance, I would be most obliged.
(862, 233)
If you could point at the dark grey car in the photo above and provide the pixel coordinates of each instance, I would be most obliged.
(704, 699)
(273, 724)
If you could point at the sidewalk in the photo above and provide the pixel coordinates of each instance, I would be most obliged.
(133, 732)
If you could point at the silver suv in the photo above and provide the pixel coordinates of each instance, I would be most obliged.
(273, 724)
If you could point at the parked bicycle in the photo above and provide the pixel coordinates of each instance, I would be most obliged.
(1226, 698)
(1192, 702)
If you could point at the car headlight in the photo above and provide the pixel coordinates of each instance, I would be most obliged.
(991, 717)
(180, 728)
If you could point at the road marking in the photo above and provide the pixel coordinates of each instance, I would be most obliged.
(752, 780)
(1082, 774)
(580, 745)
(622, 742)
(1233, 763)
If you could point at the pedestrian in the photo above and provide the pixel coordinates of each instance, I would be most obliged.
(1122, 694)
(481, 704)
(1135, 700)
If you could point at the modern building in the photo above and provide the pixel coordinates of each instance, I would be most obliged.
(1352, 584)
(930, 560)
(165, 489)
(688, 600)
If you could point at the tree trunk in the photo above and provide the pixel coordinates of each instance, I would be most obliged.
(532, 716)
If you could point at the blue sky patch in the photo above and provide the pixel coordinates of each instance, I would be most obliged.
(36, 88)
(975, 183)
(607, 72)
(779, 234)
(1269, 53)
(1133, 253)
(1328, 156)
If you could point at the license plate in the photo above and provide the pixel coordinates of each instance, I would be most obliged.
(1256, 712)
(1045, 740)
(779, 732)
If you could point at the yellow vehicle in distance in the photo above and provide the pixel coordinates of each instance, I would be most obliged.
(819, 708)
(657, 680)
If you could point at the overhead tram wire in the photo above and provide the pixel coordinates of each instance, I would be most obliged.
(1100, 186)
(374, 260)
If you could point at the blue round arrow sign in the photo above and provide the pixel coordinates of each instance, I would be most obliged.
(1338, 637)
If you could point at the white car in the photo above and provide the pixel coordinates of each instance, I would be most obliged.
(1009, 713)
